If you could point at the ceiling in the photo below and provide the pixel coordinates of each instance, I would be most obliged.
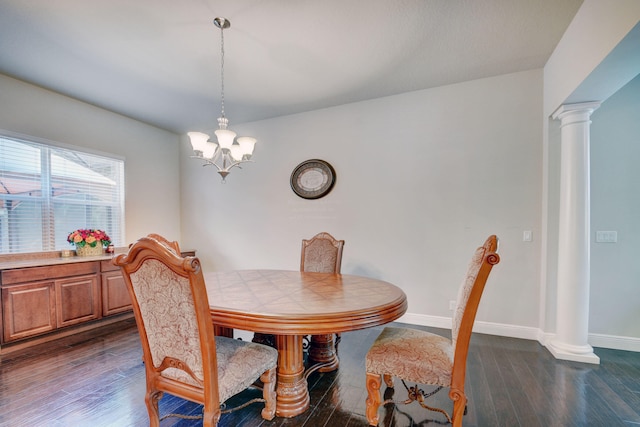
(158, 61)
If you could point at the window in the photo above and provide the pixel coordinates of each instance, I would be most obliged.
(47, 191)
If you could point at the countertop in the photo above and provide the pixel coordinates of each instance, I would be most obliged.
(45, 261)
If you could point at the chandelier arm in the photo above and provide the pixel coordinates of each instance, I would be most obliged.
(237, 163)
(226, 168)
(208, 162)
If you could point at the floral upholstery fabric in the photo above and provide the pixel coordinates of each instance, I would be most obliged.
(411, 354)
(465, 290)
(169, 317)
(320, 257)
(168, 312)
(240, 363)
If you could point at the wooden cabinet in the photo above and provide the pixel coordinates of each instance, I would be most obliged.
(42, 301)
(77, 300)
(37, 300)
(115, 295)
(28, 309)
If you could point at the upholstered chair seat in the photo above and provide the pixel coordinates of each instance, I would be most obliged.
(424, 357)
(239, 365)
(239, 362)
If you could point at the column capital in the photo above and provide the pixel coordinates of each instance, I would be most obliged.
(580, 107)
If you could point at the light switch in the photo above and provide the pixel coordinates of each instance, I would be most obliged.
(527, 236)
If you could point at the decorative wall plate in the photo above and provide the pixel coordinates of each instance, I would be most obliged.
(313, 179)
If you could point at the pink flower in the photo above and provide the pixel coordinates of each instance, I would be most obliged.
(83, 237)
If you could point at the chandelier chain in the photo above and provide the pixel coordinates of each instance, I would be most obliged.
(222, 69)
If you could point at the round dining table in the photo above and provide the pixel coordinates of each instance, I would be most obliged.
(292, 304)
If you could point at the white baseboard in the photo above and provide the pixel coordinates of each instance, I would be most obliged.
(615, 342)
(523, 332)
(504, 330)
(480, 327)
(424, 320)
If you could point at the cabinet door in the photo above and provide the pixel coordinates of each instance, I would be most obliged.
(28, 309)
(115, 295)
(78, 300)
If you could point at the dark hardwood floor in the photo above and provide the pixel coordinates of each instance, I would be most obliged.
(97, 379)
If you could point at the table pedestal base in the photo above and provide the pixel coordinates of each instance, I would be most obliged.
(292, 391)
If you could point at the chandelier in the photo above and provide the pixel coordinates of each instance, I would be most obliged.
(229, 151)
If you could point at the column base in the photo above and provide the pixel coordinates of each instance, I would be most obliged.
(574, 353)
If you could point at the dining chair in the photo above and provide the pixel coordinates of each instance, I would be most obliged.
(425, 358)
(322, 254)
(180, 352)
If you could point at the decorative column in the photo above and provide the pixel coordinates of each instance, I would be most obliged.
(572, 312)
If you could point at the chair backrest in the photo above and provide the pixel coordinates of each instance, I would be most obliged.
(321, 254)
(174, 246)
(172, 312)
(469, 294)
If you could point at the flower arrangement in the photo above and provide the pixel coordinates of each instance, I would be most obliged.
(88, 237)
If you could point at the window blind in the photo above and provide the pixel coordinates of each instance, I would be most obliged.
(46, 192)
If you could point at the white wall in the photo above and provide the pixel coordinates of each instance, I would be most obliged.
(152, 197)
(422, 179)
(615, 205)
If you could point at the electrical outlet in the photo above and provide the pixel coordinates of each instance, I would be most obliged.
(452, 305)
(606, 236)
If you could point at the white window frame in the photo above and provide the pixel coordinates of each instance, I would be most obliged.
(46, 202)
